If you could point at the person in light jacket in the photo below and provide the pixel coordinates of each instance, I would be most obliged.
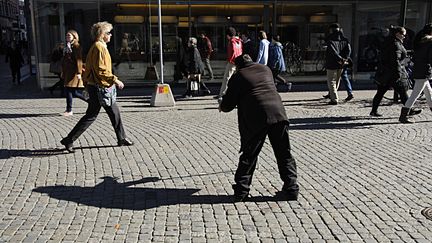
(263, 50)
(98, 74)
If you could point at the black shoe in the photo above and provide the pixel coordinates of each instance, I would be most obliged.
(125, 142)
(376, 114)
(241, 198)
(350, 97)
(414, 111)
(287, 195)
(333, 102)
(327, 96)
(68, 145)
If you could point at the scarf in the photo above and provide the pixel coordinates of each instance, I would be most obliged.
(68, 48)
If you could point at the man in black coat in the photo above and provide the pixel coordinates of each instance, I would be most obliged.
(260, 113)
(337, 53)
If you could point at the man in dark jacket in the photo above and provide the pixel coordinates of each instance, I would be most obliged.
(337, 53)
(205, 49)
(260, 113)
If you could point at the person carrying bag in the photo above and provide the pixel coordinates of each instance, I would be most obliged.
(101, 85)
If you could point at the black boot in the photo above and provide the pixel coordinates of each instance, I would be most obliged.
(403, 118)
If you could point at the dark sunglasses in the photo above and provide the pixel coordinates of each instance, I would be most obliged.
(108, 33)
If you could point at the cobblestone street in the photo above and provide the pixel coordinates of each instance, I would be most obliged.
(361, 178)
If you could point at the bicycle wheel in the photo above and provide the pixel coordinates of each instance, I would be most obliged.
(320, 65)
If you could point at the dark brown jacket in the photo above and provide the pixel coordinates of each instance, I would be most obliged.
(258, 103)
(72, 66)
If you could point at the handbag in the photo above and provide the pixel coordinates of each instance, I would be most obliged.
(55, 67)
(106, 96)
(194, 82)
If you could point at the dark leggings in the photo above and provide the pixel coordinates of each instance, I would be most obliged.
(382, 89)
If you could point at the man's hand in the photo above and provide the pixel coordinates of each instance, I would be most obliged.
(119, 84)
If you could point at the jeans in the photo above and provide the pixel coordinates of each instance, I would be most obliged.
(91, 114)
(279, 140)
(346, 81)
(70, 93)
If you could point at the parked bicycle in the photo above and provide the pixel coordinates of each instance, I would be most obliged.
(293, 58)
(319, 56)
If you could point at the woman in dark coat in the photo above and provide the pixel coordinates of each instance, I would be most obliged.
(391, 70)
(422, 71)
(72, 66)
(194, 67)
(15, 59)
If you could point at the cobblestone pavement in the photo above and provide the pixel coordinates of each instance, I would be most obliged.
(361, 178)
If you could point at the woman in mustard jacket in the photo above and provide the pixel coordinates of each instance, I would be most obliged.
(72, 67)
(98, 76)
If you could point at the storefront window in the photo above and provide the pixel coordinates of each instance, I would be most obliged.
(373, 22)
(136, 29)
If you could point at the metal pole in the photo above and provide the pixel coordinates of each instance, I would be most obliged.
(160, 42)
(150, 35)
(403, 9)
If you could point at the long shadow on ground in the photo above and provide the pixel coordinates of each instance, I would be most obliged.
(112, 194)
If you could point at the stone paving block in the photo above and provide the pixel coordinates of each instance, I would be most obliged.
(351, 195)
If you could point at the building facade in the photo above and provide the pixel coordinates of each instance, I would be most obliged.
(303, 23)
(9, 17)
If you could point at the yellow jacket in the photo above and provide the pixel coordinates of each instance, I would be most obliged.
(98, 68)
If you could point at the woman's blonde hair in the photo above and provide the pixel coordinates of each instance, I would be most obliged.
(75, 36)
(100, 28)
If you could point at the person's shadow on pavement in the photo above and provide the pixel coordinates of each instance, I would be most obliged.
(112, 194)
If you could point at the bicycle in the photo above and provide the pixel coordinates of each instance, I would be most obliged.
(293, 58)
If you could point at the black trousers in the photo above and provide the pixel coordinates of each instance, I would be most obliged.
(16, 74)
(91, 114)
(279, 139)
(382, 89)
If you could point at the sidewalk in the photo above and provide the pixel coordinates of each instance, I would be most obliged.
(361, 179)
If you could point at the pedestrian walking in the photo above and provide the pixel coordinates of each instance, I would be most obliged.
(101, 85)
(337, 53)
(276, 61)
(180, 66)
(422, 72)
(234, 49)
(391, 70)
(72, 66)
(263, 49)
(16, 60)
(206, 49)
(260, 114)
(249, 46)
(195, 69)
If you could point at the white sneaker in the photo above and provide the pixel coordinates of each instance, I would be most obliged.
(67, 113)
